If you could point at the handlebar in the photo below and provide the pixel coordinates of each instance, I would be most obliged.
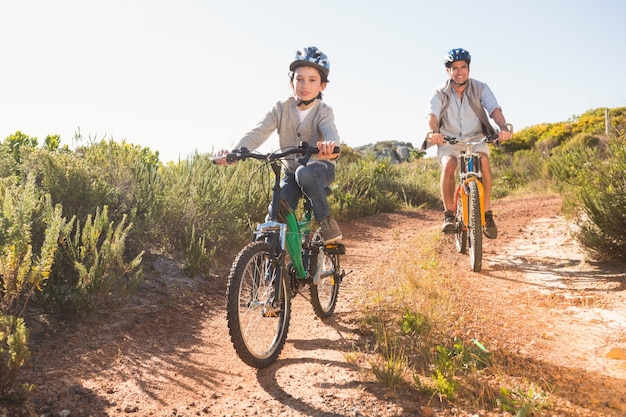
(489, 139)
(303, 149)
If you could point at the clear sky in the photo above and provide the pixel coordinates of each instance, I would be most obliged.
(182, 76)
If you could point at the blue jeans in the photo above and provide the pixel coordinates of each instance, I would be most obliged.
(312, 180)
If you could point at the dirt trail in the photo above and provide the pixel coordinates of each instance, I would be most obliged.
(561, 317)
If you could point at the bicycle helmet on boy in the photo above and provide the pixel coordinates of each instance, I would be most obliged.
(312, 57)
(457, 54)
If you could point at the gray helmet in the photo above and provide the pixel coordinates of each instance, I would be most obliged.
(457, 54)
(312, 57)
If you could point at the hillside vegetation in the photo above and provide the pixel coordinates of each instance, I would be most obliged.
(77, 225)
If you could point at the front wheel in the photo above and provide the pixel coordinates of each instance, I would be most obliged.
(258, 318)
(475, 241)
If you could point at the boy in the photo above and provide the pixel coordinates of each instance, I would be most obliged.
(303, 117)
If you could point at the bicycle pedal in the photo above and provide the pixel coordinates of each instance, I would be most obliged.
(335, 249)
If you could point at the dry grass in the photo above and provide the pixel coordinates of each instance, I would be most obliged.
(418, 326)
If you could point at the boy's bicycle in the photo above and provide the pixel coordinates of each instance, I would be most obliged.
(469, 201)
(283, 257)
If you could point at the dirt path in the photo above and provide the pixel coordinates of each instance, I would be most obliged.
(562, 318)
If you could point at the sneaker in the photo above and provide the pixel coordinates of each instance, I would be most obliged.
(449, 222)
(490, 230)
(330, 230)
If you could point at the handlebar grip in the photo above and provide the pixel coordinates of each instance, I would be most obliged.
(336, 149)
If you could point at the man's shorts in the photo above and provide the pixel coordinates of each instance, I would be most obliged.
(455, 150)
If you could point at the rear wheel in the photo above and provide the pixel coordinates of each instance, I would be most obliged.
(258, 319)
(475, 241)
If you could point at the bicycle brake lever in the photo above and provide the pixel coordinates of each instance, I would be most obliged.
(239, 154)
(308, 153)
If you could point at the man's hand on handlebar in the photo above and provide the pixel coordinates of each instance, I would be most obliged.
(435, 138)
(504, 135)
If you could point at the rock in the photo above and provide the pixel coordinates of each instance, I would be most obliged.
(616, 353)
(616, 404)
(428, 412)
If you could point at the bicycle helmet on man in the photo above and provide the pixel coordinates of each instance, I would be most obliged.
(457, 54)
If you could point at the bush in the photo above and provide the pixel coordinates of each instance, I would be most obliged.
(206, 209)
(95, 271)
(592, 174)
(603, 196)
(515, 171)
(25, 265)
(13, 354)
(364, 188)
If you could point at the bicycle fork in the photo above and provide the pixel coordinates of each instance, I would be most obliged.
(463, 190)
(274, 233)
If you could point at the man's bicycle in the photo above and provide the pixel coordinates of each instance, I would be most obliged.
(283, 257)
(469, 201)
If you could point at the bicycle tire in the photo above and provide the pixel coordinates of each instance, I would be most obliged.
(324, 294)
(460, 235)
(475, 229)
(258, 330)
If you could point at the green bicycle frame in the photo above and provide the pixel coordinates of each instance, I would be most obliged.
(293, 240)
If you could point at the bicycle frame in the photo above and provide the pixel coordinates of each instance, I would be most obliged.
(470, 170)
(290, 232)
(469, 201)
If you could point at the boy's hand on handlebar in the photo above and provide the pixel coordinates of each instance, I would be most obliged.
(326, 149)
(220, 158)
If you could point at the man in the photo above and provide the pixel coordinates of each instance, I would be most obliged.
(461, 108)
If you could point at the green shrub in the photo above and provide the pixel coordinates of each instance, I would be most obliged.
(197, 257)
(69, 179)
(95, 272)
(603, 197)
(13, 354)
(18, 142)
(363, 189)
(25, 265)
(515, 171)
(130, 177)
(369, 186)
(592, 174)
(118, 175)
(209, 205)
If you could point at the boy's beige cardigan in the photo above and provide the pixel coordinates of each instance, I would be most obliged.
(318, 125)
